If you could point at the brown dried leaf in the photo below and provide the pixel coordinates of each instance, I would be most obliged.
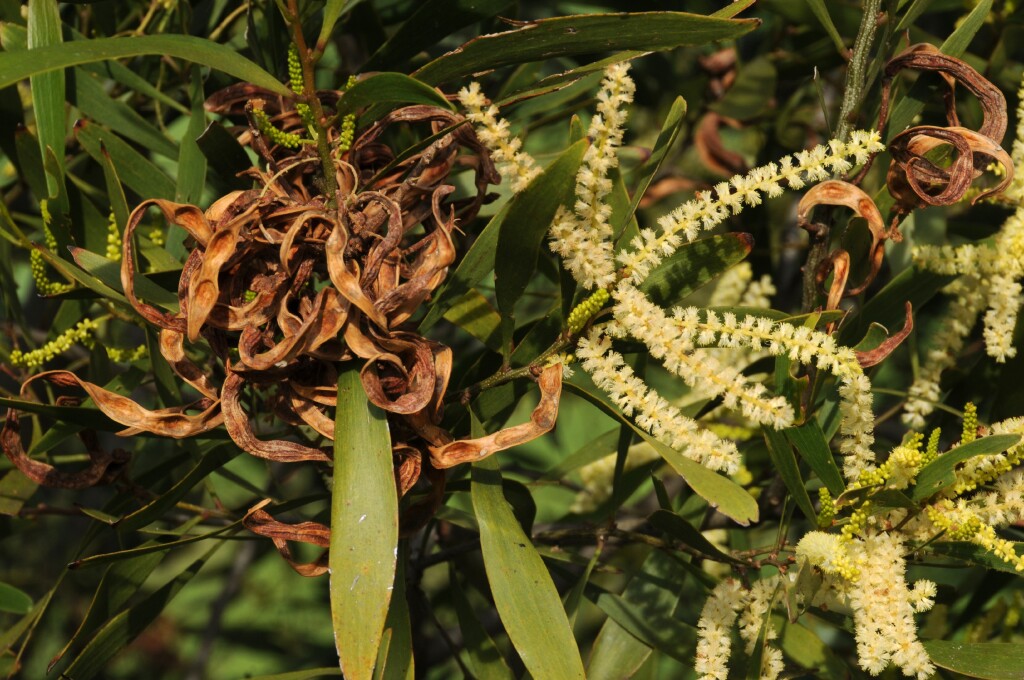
(260, 522)
(877, 355)
(541, 421)
(237, 423)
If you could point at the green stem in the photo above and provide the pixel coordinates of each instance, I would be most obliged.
(308, 96)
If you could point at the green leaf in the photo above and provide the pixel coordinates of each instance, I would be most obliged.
(134, 169)
(333, 9)
(582, 34)
(474, 314)
(728, 497)
(432, 21)
(654, 591)
(719, 491)
(154, 510)
(560, 81)
(308, 674)
(15, 489)
(13, 600)
(667, 634)
(120, 582)
(388, 88)
(821, 12)
(191, 162)
(674, 526)
(969, 553)
(108, 272)
(524, 595)
(526, 224)
(989, 660)
(93, 101)
(781, 453)
(812, 446)
(126, 626)
(87, 417)
(693, 265)
(44, 33)
(485, 660)
(670, 130)
(752, 93)
(396, 662)
(15, 66)
(157, 546)
(225, 155)
(364, 522)
(938, 474)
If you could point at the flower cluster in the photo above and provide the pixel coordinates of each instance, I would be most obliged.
(113, 251)
(719, 615)
(583, 236)
(37, 263)
(712, 208)
(514, 164)
(81, 333)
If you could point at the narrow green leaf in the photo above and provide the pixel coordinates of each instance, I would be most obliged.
(108, 272)
(524, 594)
(474, 314)
(751, 95)
(87, 417)
(156, 547)
(191, 162)
(810, 442)
(821, 12)
(152, 511)
(432, 21)
(333, 9)
(364, 519)
(388, 88)
(44, 33)
(988, 660)
(134, 169)
(938, 474)
(115, 192)
(693, 265)
(618, 652)
(15, 489)
(93, 101)
(308, 674)
(728, 497)
(719, 491)
(678, 528)
(15, 66)
(732, 9)
(484, 659)
(581, 34)
(127, 625)
(526, 224)
(13, 600)
(397, 663)
(781, 453)
(120, 582)
(224, 155)
(574, 597)
(969, 553)
(559, 81)
(666, 139)
(668, 635)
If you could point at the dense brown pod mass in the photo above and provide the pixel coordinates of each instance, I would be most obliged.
(282, 287)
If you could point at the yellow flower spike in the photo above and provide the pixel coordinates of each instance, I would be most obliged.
(81, 333)
(113, 239)
(286, 139)
(827, 513)
(932, 451)
(970, 432)
(585, 310)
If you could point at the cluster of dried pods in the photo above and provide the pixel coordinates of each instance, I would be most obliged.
(915, 179)
(281, 288)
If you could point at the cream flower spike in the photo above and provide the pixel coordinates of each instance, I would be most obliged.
(688, 328)
(514, 164)
(583, 236)
(710, 209)
(714, 630)
(652, 412)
